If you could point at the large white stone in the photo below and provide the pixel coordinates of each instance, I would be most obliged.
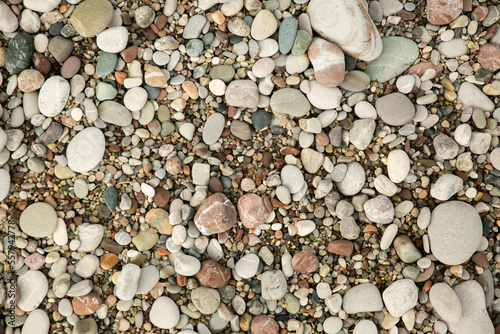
(445, 302)
(53, 96)
(353, 181)
(86, 150)
(33, 287)
(398, 165)
(113, 40)
(164, 313)
(400, 296)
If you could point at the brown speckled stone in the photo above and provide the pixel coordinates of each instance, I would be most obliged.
(262, 324)
(215, 215)
(305, 262)
(213, 274)
(253, 210)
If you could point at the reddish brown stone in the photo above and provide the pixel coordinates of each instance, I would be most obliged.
(479, 13)
(162, 196)
(480, 259)
(341, 247)
(34, 261)
(442, 12)
(216, 214)
(489, 57)
(108, 261)
(215, 185)
(213, 274)
(328, 62)
(467, 5)
(262, 324)
(70, 67)
(42, 64)
(305, 262)
(129, 53)
(253, 210)
(88, 304)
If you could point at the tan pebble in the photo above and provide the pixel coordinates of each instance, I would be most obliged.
(154, 77)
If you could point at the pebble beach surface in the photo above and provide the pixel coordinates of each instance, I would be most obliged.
(247, 166)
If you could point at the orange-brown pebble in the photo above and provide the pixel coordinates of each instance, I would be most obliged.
(108, 261)
(88, 304)
(341, 247)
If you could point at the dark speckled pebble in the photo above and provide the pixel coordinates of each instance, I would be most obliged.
(55, 29)
(19, 53)
(110, 197)
(261, 119)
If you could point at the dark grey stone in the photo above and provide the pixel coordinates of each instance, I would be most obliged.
(19, 53)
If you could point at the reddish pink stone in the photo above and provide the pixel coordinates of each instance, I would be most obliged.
(213, 274)
(489, 57)
(215, 215)
(35, 261)
(420, 68)
(262, 324)
(442, 12)
(328, 62)
(305, 262)
(253, 210)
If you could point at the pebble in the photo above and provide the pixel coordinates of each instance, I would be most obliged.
(33, 287)
(442, 13)
(127, 282)
(30, 80)
(263, 25)
(305, 262)
(470, 95)
(364, 297)
(84, 20)
(264, 324)
(187, 265)
(53, 96)
(445, 302)
(113, 40)
(206, 300)
(290, 101)
(312, 160)
(454, 232)
(37, 322)
(19, 54)
(395, 109)
(38, 220)
(274, 285)
(446, 186)
(341, 247)
(292, 178)
(332, 325)
(454, 48)
(379, 209)
(362, 132)
(85, 326)
(253, 210)
(9, 21)
(353, 181)
(400, 296)
(247, 266)
(406, 250)
(242, 93)
(215, 215)
(90, 237)
(213, 128)
(114, 113)
(87, 304)
(43, 7)
(4, 184)
(287, 33)
(328, 62)
(86, 150)
(161, 306)
(365, 327)
(346, 23)
(213, 275)
(323, 97)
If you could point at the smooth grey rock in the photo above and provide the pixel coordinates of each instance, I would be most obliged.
(362, 298)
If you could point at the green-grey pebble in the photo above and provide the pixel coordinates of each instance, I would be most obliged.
(301, 43)
(105, 91)
(398, 54)
(222, 72)
(110, 197)
(194, 48)
(286, 35)
(106, 64)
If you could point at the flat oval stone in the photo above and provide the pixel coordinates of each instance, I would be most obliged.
(85, 326)
(395, 109)
(443, 12)
(274, 285)
(264, 324)
(445, 302)
(364, 297)
(150, 276)
(253, 210)
(353, 181)
(33, 287)
(86, 150)
(287, 33)
(400, 296)
(114, 113)
(87, 304)
(206, 300)
(305, 262)
(53, 96)
(263, 25)
(9, 22)
(247, 266)
(455, 232)
(113, 40)
(323, 97)
(127, 282)
(290, 101)
(162, 306)
(213, 128)
(398, 165)
(292, 178)
(398, 54)
(38, 322)
(365, 327)
(38, 220)
(379, 209)
(86, 22)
